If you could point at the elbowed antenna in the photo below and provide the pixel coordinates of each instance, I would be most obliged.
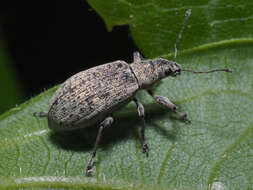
(204, 72)
(187, 14)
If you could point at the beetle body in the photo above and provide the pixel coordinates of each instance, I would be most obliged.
(92, 96)
(88, 97)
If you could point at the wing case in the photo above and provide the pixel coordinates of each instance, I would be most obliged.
(91, 95)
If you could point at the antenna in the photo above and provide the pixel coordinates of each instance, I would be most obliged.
(187, 14)
(204, 72)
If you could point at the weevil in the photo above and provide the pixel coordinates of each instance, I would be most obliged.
(92, 96)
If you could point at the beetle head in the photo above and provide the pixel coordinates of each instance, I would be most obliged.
(149, 72)
(167, 68)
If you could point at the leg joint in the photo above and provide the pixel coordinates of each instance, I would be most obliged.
(108, 121)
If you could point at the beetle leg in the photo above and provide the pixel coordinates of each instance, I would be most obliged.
(167, 103)
(40, 114)
(137, 57)
(140, 110)
(107, 122)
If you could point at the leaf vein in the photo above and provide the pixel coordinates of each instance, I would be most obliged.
(164, 164)
(48, 156)
(226, 152)
(17, 140)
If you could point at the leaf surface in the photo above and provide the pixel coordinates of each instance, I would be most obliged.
(212, 152)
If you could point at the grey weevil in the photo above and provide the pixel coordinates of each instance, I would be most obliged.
(93, 95)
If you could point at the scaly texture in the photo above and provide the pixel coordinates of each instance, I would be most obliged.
(90, 96)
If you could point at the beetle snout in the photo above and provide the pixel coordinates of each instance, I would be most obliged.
(177, 69)
(178, 72)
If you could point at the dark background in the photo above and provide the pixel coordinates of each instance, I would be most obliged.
(48, 41)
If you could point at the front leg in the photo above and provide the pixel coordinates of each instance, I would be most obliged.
(167, 103)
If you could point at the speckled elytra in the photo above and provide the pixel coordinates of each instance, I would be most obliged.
(93, 95)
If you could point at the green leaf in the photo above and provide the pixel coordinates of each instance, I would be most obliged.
(155, 24)
(212, 152)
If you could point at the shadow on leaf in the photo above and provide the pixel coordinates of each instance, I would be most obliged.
(123, 128)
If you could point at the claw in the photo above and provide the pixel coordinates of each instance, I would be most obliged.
(145, 148)
(88, 170)
(184, 118)
(89, 167)
(187, 121)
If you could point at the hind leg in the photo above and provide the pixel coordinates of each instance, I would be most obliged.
(107, 122)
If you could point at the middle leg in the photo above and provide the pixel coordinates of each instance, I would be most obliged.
(140, 110)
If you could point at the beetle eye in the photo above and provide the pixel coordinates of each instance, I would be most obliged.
(178, 72)
(167, 72)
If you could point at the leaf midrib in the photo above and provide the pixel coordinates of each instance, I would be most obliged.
(213, 45)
